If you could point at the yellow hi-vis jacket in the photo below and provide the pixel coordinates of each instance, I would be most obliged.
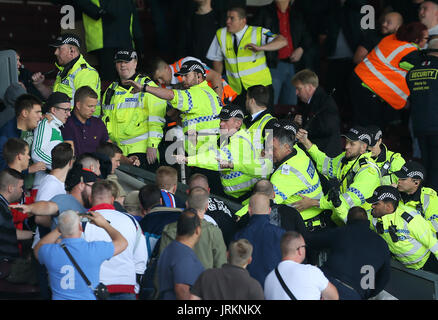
(248, 166)
(248, 68)
(415, 237)
(358, 185)
(134, 121)
(81, 74)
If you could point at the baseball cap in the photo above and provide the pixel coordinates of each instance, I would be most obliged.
(231, 111)
(79, 174)
(375, 134)
(67, 38)
(55, 98)
(125, 55)
(358, 133)
(411, 169)
(384, 193)
(191, 65)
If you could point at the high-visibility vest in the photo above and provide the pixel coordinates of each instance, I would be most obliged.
(427, 206)
(81, 74)
(134, 121)
(295, 177)
(380, 71)
(248, 68)
(249, 167)
(391, 163)
(357, 186)
(228, 93)
(415, 238)
(256, 131)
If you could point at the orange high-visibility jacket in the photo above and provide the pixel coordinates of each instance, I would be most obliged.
(228, 93)
(381, 72)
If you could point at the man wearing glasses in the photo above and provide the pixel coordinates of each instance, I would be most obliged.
(47, 134)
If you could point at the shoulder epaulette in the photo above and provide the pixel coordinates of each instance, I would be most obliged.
(363, 161)
(84, 66)
(407, 217)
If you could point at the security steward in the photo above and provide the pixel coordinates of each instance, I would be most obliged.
(236, 159)
(74, 72)
(198, 103)
(388, 161)
(295, 175)
(260, 122)
(409, 236)
(416, 197)
(134, 121)
(353, 175)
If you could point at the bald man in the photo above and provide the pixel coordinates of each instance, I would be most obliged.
(264, 236)
(389, 25)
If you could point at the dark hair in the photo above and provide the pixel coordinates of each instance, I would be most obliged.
(393, 202)
(187, 223)
(9, 177)
(356, 213)
(109, 149)
(260, 94)
(154, 65)
(284, 136)
(25, 102)
(12, 148)
(84, 92)
(198, 198)
(241, 11)
(149, 196)
(101, 187)
(412, 32)
(264, 186)
(61, 155)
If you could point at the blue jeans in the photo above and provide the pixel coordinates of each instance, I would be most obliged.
(284, 91)
(122, 296)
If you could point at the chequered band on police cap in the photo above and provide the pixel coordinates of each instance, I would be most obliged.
(236, 112)
(290, 128)
(365, 136)
(415, 173)
(387, 195)
(69, 40)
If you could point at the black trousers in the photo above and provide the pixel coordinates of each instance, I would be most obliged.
(429, 155)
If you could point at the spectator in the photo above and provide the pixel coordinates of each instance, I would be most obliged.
(88, 255)
(90, 162)
(48, 133)
(156, 215)
(409, 236)
(217, 209)
(428, 15)
(134, 121)
(115, 154)
(390, 23)
(83, 130)
(179, 257)
(409, 9)
(74, 71)
(111, 25)
(414, 195)
(319, 113)
(121, 273)
(133, 206)
(210, 249)
(304, 281)
(10, 96)
(17, 156)
(264, 236)
(232, 281)
(356, 174)
(423, 112)
(388, 161)
(27, 115)
(166, 179)
(350, 248)
(236, 41)
(282, 18)
(25, 77)
(368, 88)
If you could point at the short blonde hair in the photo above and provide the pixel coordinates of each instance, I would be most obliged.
(239, 252)
(166, 177)
(306, 76)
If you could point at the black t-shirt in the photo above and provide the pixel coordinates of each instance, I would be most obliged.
(204, 29)
(370, 39)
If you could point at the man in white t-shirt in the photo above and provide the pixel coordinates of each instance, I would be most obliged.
(304, 281)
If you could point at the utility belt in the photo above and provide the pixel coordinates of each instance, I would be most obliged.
(315, 222)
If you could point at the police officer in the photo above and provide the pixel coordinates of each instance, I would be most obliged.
(410, 238)
(260, 122)
(414, 195)
(353, 174)
(388, 161)
(74, 71)
(198, 103)
(134, 121)
(236, 159)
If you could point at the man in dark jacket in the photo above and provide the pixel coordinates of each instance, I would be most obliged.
(319, 113)
(281, 18)
(359, 261)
